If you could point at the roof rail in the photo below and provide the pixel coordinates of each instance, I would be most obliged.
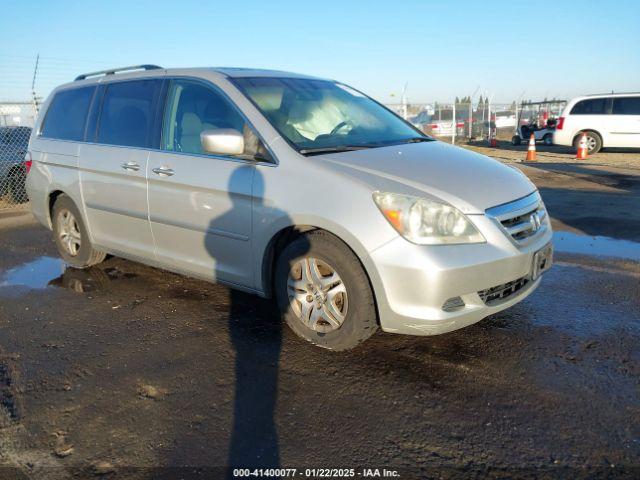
(611, 93)
(113, 71)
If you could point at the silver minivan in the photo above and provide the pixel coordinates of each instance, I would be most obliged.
(287, 186)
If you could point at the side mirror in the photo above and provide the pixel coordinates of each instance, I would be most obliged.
(222, 141)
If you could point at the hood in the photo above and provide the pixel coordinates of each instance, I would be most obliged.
(467, 180)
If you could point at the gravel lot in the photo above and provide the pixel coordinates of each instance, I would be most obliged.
(131, 372)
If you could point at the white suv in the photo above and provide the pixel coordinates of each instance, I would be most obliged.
(608, 120)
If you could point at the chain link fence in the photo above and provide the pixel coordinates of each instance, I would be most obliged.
(13, 169)
(466, 121)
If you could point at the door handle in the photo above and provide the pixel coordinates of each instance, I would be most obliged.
(163, 171)
(131, 166)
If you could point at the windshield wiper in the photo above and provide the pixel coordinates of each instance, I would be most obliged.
(418, 140)
(338, 149)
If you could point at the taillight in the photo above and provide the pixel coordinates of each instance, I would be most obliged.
(28, 162)
(460, 124)
(560, 123)
(433, 125)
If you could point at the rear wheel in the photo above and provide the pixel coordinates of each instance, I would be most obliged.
(71, 236)
(324, 292)
(594, 142)
(548, 139)
(516, 140)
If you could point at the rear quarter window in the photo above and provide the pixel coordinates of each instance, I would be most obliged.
(593, 106)
(626, 106)
(66, 116)
(128, 115)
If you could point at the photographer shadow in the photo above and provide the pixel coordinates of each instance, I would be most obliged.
(255, 330)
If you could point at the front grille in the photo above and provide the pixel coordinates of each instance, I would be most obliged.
(500, 293)
(522, 219)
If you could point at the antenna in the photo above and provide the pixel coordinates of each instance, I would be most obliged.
(33, 85)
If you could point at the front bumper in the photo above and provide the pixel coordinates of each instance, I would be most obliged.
(414, 282)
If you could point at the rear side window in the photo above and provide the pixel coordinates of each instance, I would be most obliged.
(67, 114)
(128, 113)
(594, 106)
(626, 106)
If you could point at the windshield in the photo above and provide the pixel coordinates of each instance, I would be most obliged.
(318, 116)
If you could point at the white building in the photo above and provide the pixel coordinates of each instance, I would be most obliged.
(17, 113)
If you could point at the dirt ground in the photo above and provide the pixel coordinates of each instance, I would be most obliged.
(126, 371)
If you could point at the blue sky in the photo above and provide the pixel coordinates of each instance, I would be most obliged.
(441, 49)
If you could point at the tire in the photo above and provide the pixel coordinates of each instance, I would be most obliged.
(594, 142)
(360, 320)
(85, 255)
(548, 139)
(516, 140)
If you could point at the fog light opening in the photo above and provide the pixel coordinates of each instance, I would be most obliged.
(453, 304)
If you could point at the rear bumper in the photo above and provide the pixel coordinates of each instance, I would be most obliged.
(416, 281)
(37, 185)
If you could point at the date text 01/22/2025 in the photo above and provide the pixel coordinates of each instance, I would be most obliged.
(315, 473)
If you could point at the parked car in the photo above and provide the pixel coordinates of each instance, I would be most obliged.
(13, 147)
(289, 186)
(611, 120)
(439, 124)
(421, 119)
(444, 128)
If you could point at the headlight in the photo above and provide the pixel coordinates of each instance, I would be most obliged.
(426, 222)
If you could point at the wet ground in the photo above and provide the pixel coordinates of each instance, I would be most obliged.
(129, 366)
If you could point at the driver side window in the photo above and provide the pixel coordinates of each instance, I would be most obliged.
(193, 108)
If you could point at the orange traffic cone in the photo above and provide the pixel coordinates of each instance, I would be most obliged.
(583, 150)
(531, 152)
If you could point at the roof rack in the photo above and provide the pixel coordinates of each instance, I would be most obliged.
(113, 71)
(611, 93)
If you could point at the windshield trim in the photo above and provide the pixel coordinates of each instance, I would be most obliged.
(301, 150)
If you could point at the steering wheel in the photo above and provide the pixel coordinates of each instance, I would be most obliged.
(338, 127)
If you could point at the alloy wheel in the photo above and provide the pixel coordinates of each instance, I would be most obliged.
(69, 232)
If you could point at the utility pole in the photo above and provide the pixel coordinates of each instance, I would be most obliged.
(403, 101)
(33, 87)
(453, 124)
(471, 111)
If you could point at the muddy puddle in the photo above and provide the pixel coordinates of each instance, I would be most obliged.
(35, 274)
(568, 242)
(46, 272)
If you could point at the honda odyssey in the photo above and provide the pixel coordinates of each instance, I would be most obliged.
(286, 186)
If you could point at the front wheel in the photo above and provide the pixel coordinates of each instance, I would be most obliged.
(548, 139)
(324, 292)
(516, 140)
(71, 236)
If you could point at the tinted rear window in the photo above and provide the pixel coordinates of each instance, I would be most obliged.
(595, 106)
(128, 113)
(66, 116)
(626, 106)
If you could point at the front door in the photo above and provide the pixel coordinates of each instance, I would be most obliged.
(113, 168)
(199, 203)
